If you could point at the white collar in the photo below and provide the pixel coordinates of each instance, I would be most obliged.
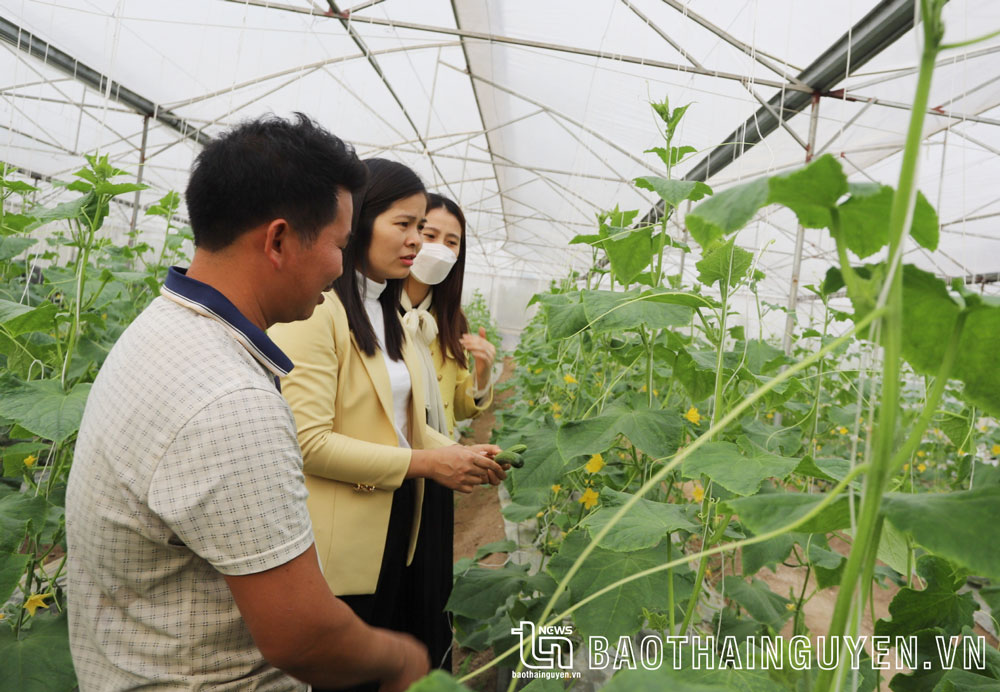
(371, 289)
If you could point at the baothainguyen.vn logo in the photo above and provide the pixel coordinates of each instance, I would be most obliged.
(552, 648)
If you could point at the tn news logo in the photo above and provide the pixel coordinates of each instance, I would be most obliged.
(551, 648)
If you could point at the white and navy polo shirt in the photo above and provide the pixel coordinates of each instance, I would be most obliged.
(187, 467)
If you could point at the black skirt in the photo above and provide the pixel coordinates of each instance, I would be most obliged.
(412, 598)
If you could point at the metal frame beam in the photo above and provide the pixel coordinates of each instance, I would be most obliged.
(889, 20)
(527, 43)
(50, 55)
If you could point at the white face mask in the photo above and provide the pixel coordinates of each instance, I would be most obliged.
(433, 263)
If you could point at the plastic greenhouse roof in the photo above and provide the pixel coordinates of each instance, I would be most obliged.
(533, 115)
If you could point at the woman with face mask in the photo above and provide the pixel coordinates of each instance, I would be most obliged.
(432, 314)
(357, 391)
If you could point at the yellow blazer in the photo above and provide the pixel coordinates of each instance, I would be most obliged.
(457, 386)
(342, 402)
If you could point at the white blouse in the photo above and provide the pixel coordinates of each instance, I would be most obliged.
(399, 375)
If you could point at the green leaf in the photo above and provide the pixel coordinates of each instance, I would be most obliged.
(673, 192)
(726, 465)
(726, 211)
(770, 511)
(672, 157)
(113, 189)
(40, 660)
(811, 192)
(495, 547)
(966, 681)
(20, 319)
(696, 379)
(15, 223)
(564, 313)
(17, 512)
(829, 469)
(644, 526)
(657, 433)
(621, 311)
(437, 681)
(543, 466)
(864, 221)
(764, 605)
(12, 246)
(976, 365)
(629, 252)
(44, 408)
(725, 263)
(950, 525)
(480, 591)
(12, 568)
(767, 553)
(618, 612)
(935, 606)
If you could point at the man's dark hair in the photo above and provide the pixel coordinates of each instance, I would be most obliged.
(269, 168)
(388, 182)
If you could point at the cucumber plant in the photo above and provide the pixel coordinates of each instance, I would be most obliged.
(655, 457)
(66, 294)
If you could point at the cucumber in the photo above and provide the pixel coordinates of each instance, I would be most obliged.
(512, 456)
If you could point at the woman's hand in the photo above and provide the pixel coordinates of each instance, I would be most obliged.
(458, 467)
(484, 352)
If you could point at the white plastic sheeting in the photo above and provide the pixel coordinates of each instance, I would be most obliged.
(533, 115)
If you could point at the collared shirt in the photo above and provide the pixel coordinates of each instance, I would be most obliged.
(187, 468)
(399, 374)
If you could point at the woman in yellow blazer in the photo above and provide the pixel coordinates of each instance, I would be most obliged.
(432, 304)
(357, 394)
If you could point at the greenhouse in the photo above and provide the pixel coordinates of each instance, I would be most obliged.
(708, 294)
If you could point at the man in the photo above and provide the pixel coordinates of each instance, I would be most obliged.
(191, 561)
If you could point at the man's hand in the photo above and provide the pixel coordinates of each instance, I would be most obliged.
(414, 664)
(303, 629)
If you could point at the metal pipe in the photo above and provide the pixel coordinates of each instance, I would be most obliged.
(52, 56)
(138, 179)
(793, 289)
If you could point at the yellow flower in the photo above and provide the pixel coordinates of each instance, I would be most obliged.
(556, 488)
(643, 388)
(36, 601)
(789, 606)
(557, 416)
(770, 415)
(693, 416)
(698, 492)
(819, 448)
(921, 453)
(842, 430)
(540, 514)
(996, 450)
(556, 407)
(906, 467)
(569, 379)
(30, 460)
(588, 499)
(921, 467)
(595, 464)
(538, 371)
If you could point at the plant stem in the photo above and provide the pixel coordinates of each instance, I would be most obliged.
(892, 330)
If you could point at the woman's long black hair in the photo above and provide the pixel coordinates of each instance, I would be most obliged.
(448, 294)
(388, 182)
